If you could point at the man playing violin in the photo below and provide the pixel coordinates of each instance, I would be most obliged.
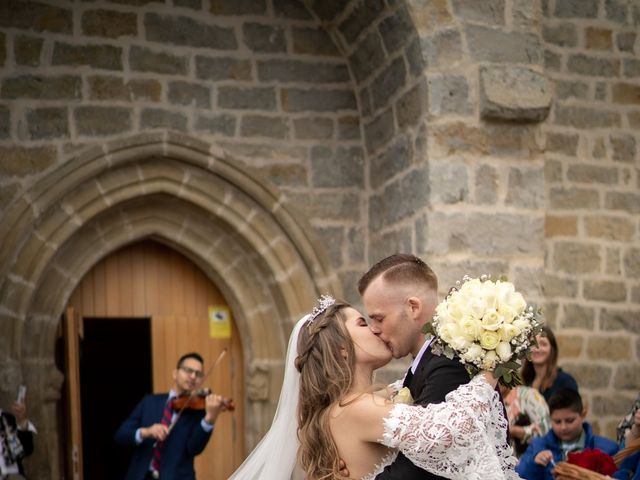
(166, 440)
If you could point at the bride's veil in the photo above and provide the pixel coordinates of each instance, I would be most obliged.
(275, 456)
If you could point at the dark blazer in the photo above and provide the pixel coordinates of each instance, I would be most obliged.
(435, 377)
(186, 440)
(25, 437)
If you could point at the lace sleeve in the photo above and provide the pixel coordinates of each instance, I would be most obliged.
(462, 438)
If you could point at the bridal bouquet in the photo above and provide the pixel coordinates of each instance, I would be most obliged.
(488, 325)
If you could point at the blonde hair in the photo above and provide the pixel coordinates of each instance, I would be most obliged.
(326, 360)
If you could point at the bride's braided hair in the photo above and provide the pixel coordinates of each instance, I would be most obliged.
(326, 358)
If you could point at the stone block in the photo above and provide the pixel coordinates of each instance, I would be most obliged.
(554, 286)
(606, 227)
(610, 404)
(514, 93)
(576, 315)
(573, 198)
(526, 188)
(25, 161)
(625, 93)
(626, 376)
(261, 98)
(356, 251)
(632, 263)
(600, 93)
(105, 57)
(449, 183)
(560, 226)
(217, 124)
(563, 143)
(109, 23)
(625, 41)
(624, 148)
(616, 10)
(553, 171)
(186, 31)
(101, 121)
(593, 66)
(396, 30)
(159, 118)
(389, 81)
(27, 50)
(394, 205)
(625, 201)
(62, 87)
(613, 320)
(586, 118)
(334, 206)
(576, 8)
(379, 131)
(263, 126)
(194, 4)
(634, 119)
(491, 12)
(115, 88)
(222, 68)
(486, 185)
(605, 290)
(239, 7)
(562, 34)
(583, 173)
(146, 60)
(288, 9)
(570, 346)
(576, 258)
(343, 167)
(361, 16)
(412, 105)
(286, 175)
(591, 376)
(368, 55)
(364, 100)
(5, 123)
(552, 61)
(449, 95)
(264, 38)
(47, 123)
(631, 67)
(314, 100)
(287, 71)
(313, 41)
(333, 241)
(442, 49)
(571, 89)
(392, 161)
(328, 9)
(494, 45)
(313, 128)
(398, 240)
(27, 15)
(429, 15)
(349, 128)
(598, 38)
(189, 94)
(3, 49)
(613, 261)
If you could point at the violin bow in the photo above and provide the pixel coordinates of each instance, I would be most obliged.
(193, 392)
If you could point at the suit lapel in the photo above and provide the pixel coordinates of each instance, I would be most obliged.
(418, 380)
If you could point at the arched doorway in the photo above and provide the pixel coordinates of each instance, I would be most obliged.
(148, 294)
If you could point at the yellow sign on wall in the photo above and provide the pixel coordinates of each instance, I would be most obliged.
(219, 321)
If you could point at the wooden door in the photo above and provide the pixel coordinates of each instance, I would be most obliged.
(71, 328)
(148, 279)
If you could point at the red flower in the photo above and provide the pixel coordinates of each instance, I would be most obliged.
(593, 459)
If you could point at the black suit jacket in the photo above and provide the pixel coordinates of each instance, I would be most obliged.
(25, 437)
(435, 377)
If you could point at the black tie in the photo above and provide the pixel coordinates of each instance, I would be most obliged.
(407, 378)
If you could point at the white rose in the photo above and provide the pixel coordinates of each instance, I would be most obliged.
(504, 351)
(521, 324)
(507, 313)
(460, 343)
(473, 353)
(456, 307)
(517, 302)
(491, 320)
(471, 328)
(489, 340)
(489, 361)
(507, 331)
(449, 331)
(489, 294)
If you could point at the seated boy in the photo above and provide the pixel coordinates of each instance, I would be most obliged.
(569, 433)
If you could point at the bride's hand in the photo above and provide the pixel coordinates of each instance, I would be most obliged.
(488, 376)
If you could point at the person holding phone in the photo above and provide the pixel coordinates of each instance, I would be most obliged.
(16, 437)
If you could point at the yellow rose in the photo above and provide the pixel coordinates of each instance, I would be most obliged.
(489, 340)
(491, 320)
(471, 328)
(403, 396)
(504, 351)
(507, 331)
(489, 361)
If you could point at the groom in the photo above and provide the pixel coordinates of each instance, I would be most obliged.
(400, 296)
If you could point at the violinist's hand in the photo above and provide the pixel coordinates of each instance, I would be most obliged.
(214, 404)
(157, 431)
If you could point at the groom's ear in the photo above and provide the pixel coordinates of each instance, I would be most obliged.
(415, 305)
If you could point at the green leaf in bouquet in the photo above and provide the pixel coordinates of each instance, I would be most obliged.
(428, 329)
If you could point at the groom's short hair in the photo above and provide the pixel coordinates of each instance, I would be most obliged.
(400, 268)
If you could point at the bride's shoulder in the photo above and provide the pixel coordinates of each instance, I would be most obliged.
(361, 407)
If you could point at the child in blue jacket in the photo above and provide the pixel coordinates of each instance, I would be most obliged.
(569, 433)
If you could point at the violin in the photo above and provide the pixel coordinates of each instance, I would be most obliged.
(197, 401)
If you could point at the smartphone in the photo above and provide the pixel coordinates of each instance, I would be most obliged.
(22, 393)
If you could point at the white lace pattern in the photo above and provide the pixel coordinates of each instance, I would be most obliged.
(463, 438)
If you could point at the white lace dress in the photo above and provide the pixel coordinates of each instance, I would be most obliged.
(463, 438)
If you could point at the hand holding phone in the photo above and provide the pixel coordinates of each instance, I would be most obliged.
(22, 393)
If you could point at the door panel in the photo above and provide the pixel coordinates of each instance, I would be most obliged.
(72, 374)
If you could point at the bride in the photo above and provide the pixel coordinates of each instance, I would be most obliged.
(328, 411)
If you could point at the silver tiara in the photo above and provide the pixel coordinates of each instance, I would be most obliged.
(324, 302)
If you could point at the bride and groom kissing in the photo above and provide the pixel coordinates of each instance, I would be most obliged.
(333, 422)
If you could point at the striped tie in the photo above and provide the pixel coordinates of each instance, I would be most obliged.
(167, 414)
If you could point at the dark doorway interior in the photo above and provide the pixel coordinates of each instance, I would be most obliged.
(115, 373)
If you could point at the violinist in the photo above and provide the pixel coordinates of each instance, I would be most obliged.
(166, 436)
